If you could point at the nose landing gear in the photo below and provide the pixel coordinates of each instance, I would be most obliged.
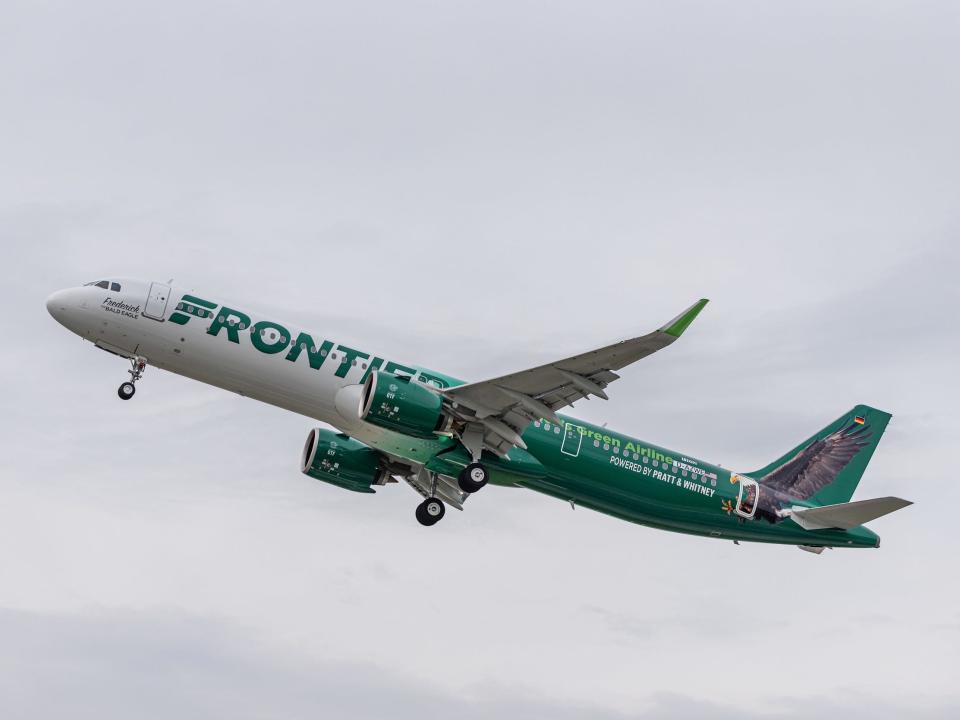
(137, 366)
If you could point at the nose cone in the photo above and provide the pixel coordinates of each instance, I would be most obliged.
(64, 305)
(57, 304)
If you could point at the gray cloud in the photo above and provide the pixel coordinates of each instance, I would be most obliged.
(477, 188)
(158, 665)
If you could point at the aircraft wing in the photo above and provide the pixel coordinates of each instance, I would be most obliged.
(499, 409)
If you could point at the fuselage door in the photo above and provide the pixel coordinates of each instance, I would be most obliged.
(748, 497)
(572, 439)
(157, 301)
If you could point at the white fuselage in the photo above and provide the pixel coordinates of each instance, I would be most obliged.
(140, 320)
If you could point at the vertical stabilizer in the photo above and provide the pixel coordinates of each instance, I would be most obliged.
(827, 467)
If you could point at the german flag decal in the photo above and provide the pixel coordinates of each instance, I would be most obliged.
(859, 420)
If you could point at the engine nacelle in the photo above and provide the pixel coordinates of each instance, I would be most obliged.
(340, 460)
(400, 404)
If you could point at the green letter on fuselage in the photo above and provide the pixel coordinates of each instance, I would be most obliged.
(315, 354)
(269, 342)
(435, 380)
(222, 320)
(395, 368)
(374, 365)
(349, 357)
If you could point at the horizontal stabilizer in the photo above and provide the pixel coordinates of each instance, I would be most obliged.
(846, 515)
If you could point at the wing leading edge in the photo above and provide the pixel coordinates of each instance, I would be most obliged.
(496, 411)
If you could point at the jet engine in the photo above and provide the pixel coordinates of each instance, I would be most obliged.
(398, 403)
(340, 460)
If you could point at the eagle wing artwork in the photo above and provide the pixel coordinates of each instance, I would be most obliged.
(391, 421)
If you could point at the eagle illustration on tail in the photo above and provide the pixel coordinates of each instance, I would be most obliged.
(810, 470)
(824, 469)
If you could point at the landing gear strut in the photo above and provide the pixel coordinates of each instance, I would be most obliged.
(430, 511)
(137, 366)
(473, 477)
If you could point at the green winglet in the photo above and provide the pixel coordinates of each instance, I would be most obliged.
(682, 321)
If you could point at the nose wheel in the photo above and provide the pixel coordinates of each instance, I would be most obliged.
(473, 477)
(430, 511)
(137, 366)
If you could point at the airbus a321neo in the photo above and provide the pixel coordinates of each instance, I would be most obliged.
(448, 438)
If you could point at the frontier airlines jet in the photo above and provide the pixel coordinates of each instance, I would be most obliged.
(448, 438)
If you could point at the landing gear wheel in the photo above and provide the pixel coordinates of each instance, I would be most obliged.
(473, 477)
(137, 366)
(430, 511)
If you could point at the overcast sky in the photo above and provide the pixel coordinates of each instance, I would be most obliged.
(478, 187)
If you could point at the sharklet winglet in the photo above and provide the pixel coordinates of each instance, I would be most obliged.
(682, 321)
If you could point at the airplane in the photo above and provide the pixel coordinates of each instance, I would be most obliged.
(395, 421)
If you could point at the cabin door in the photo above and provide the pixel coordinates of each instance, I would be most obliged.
(748, 497)
(157, 301)
(572, 439)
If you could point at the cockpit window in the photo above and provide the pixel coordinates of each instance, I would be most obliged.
(105, 284)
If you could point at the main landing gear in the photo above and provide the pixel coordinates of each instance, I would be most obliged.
(430, 511)
(137, 366)
(473, 477)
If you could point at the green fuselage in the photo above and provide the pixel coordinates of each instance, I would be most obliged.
(596, 468)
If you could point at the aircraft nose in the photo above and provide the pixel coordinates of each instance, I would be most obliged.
(63, 306)
(57, 304)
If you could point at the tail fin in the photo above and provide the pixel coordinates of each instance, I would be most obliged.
(827, 467)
